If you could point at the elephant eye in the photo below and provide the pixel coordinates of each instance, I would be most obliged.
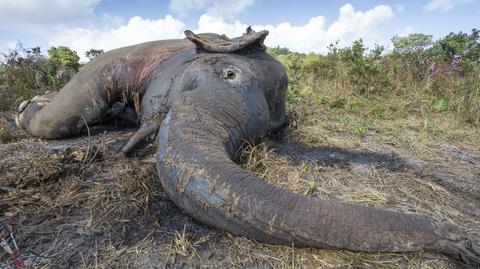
(229, 73)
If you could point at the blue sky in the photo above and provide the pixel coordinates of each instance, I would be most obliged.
(299, 25)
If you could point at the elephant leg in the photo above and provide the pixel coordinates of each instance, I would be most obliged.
(62, 114)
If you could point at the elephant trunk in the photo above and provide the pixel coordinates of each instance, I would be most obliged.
(197, 142)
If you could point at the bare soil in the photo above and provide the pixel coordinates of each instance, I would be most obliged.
(76, 203)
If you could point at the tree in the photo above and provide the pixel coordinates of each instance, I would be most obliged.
(18, 68)
(36, 51)
(312, 63)
(462, 44)
(412, 43)
(355, 53)
(62, 55)
(377, 51)
(92, 53)
(278, 51)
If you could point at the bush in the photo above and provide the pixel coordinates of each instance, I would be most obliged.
(25, 72)
(461, 44)
(441, 75)
(17, 74)
(412, 43)
(293, 64)
(63, 56)
(364, 71)
(320, 67)
(467, 102)
(92, 53)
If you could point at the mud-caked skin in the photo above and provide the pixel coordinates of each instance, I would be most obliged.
(206, 95)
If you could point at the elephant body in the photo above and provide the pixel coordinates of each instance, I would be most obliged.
(206, 95)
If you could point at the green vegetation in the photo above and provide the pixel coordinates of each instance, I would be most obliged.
(310, 187)
(419, 77)
(92, 53)
(25, 72)
(5, 134)
(413, 43)
(63, 56)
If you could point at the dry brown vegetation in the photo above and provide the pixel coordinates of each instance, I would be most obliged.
(75, 204)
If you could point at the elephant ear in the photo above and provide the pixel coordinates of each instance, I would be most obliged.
(251, 40)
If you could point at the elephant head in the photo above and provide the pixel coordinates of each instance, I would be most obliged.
(236, 93)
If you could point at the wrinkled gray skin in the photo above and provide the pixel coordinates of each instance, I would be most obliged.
(206, 95)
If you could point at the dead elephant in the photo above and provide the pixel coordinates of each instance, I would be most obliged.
(205, 95)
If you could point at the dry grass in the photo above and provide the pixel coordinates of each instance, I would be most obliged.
(59, 195)
(186, 246)
(367, 184)
(5, 133)
(75, 204)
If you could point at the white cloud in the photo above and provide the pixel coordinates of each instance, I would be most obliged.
(444, 5)
(9, 45)
(359, 24)
(14, 12)
(217, 8)
(406, 31)
(399, 7)
(314, 36)
(210, 24)
(137, 30)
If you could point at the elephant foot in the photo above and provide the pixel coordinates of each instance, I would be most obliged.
(29, 107)
(458, 245)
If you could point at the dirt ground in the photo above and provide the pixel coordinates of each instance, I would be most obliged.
(76, 203)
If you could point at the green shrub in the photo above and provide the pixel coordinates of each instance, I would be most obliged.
(467, 102)
(293, 64)
(278, 51)
(6, 134)
(462, 44)
(412, 43)
(63, 56)
(320, 67)
(439, 76)
(364, 71)
(23, 69)
(92, 53)
(17, 74)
